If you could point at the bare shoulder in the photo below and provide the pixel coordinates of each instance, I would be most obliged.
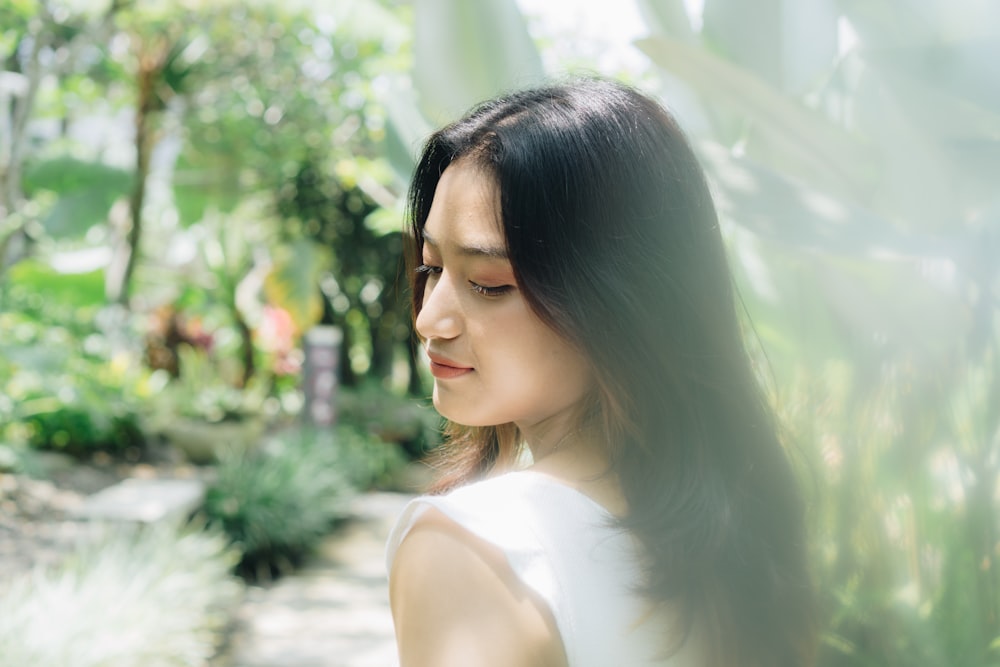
(455, 601)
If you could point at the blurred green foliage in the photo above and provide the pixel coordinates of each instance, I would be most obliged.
(857, 190)
(412, 424)
(276, 502)
(270, 118)
(81, 193)
(61, 386)
(37, 292)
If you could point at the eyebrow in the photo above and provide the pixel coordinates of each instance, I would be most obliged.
(492, 252)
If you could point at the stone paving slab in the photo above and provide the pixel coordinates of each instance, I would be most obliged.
(335, 611)
(143, 500)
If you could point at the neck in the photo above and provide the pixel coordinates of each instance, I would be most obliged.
(582, 463)
(569, 447)
(546, 438)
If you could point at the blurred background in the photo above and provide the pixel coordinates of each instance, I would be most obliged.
(189, 187)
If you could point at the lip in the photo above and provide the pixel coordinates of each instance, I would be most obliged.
(444, 368)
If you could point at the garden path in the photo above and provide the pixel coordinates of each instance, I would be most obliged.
(334, 612)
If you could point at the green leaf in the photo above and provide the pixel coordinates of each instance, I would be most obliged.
(801, 140)
(940, 153)
(42, 359)
(943, 114)
(953, 46)
(75, 213)
(367, 20)
(789, 44)
(773, 206)
(384, 221)
(843, 269)
(85, 190)
(211, 184)
(891, 308)
(406, 129)
(293, 283)
(67, 174)
(77, 289)
(758, 50)
(667, 17)
(465, 52)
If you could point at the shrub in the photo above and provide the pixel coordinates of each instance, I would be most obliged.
(405, 420)
(151, 596)
(79, 431)
(65, 392)
(366, 459)
(277, 502)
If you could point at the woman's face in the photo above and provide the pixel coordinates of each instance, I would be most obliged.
(493, 360)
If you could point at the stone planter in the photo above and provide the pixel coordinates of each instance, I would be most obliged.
(205, 442)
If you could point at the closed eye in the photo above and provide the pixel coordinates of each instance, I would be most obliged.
(487, 291)
(483, 290)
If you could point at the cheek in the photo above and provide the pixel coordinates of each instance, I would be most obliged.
(541, 363)
(571, 372)
(519, 351)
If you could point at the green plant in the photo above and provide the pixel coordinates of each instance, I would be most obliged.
(365, 458)
(151, 596)
(275, 503)
(62, 388)
(405, 420)
(38, 293)
(202, 392)
(80, 431)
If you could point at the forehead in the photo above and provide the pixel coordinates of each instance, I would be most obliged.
(465, 210)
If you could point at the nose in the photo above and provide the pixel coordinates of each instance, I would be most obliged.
(440, 314)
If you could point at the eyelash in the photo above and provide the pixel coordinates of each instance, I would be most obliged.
(482, 290)
(425, 268)
(489, 291)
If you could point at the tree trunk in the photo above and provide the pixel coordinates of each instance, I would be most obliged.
(10, 173)
(246, 344)
(143, 146)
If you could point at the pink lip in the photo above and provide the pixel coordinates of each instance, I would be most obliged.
(446, 369)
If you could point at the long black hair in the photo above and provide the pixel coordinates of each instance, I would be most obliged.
(615, 243)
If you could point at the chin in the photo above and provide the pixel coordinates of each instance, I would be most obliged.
(459, 417)
(451, 415)
(470, 423)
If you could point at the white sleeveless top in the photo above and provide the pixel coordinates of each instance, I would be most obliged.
(564, 547)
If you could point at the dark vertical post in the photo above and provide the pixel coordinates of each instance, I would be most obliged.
(320, 379)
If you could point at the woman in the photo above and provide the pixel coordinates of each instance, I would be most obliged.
(571, 289)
